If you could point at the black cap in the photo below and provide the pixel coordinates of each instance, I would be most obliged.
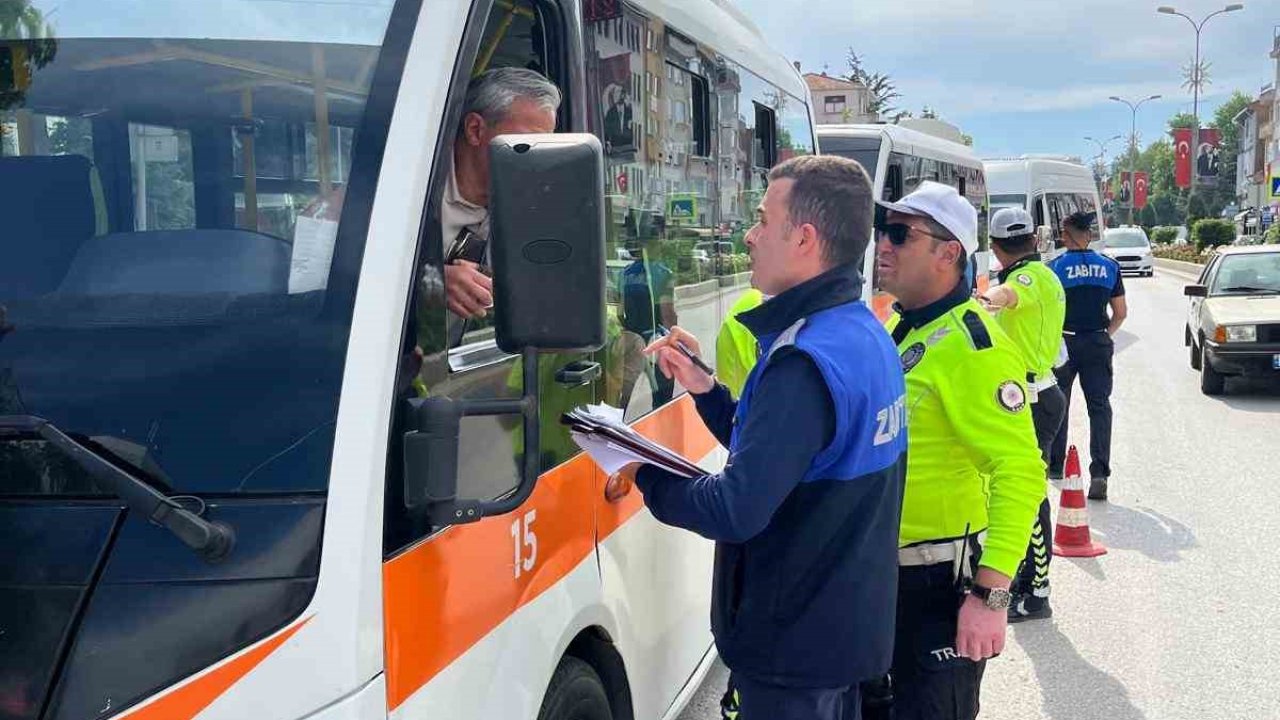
(1081, 220)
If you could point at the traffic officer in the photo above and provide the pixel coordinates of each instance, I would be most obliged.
(1029, 306)
(806, 512)
(736, 353)
(1093, 285)
(736, 348)
(975, 477)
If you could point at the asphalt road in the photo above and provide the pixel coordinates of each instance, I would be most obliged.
(1179, 620)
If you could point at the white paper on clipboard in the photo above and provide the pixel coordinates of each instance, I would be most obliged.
(313, 241)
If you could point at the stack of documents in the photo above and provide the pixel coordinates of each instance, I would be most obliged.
(600, 431)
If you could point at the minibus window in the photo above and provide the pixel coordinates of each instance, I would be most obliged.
(766, 155)
(864, 150)
(174, 209)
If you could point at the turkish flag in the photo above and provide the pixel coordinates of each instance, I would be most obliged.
(1140, 187)
(1182, 157)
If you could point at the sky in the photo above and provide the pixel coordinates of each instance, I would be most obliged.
(1033, 76)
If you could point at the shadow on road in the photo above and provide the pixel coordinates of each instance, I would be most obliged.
(1124, 339)
(1151, 533)
(1252, 396)
(1090, 566)
(1071, 686)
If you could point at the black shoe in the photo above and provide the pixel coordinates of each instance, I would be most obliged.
(1055, 474)
(1026, 606)
(1098, 488)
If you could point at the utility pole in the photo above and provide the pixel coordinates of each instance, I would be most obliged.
(1195, 80)
(1101, 159)
(1133, 147)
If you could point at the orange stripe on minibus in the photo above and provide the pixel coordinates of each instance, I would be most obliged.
(447, 593)
(187, 701)
(443, 595)
(882, 305)
(678, 427)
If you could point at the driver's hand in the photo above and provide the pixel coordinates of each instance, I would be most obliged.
(468, 291)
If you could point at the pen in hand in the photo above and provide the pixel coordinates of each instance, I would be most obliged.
(697, 361)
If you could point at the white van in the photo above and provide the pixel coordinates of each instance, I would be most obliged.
(1050, 187)
(245, 472)
(898, 159)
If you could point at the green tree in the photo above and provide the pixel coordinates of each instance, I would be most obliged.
(784, 139)
(1157, 162)
(19, 20)
(1224, 119)
(1182, 120)
(1197, 209)
(171, 191)
(880, 86)
(1166, 209)
(73, 136)
(1211, 232)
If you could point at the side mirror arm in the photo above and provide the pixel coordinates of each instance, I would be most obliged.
(432, 448)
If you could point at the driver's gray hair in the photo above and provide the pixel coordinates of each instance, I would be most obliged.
(491, 93)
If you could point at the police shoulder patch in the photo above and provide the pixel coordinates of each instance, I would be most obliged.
(1025, 279)
(1011, 396)
(912, 356)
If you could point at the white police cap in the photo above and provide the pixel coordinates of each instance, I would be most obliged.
(944, 204)
(1011, 222)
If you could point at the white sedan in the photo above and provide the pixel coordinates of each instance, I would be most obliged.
(1129, 247)
(1233, 323)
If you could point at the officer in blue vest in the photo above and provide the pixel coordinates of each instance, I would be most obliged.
(1095, 310)
(806, 512)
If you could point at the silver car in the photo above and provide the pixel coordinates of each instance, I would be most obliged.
(1129, 247)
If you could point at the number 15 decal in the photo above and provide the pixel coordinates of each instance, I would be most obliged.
(522, 528)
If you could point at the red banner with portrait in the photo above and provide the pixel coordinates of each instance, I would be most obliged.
(1124, 192)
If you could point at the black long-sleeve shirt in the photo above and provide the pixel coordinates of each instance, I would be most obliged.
(791, 420)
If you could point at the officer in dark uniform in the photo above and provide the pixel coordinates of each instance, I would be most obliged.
(1096, 308)
(806, 512)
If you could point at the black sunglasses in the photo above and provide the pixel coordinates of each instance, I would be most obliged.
(897, 233)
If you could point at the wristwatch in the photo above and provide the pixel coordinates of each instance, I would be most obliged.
(997, 599)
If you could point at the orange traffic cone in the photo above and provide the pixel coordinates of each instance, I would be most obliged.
(1071, 537)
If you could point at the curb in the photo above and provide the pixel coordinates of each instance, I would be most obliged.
(1179, 267)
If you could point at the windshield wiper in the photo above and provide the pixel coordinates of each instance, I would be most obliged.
(211, 540)
(1250, 289)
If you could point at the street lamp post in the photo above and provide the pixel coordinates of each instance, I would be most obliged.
(1195, 76)
(1102, 157)
(1133, 145)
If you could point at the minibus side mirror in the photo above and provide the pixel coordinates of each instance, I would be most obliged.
(546, 204)
(431, 455)
(547, 248)
(1197, 291)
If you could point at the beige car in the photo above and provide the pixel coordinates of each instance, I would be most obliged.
(1233, 326)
